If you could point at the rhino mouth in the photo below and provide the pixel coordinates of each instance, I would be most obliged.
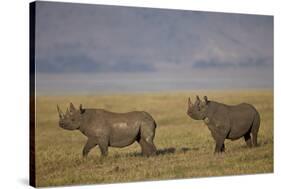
(61, 125)
(189, 113)
(64, 126)
(196, 116)
(206, 120)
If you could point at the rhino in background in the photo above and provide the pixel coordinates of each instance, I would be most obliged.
(104, 128)
(226, 122)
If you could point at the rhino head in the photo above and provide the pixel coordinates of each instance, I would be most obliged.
(198, 110)
(72, 119)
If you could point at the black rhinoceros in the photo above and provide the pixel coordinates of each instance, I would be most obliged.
(225, 121)
(104, 128)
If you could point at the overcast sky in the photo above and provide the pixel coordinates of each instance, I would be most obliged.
(149, 45)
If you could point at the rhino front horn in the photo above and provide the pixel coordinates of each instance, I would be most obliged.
(59, 111)
(189, 102)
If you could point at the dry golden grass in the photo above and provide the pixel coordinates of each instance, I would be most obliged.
(185, 146)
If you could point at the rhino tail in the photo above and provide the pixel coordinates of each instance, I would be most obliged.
(155, 124)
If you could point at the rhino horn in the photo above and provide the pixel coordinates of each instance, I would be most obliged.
(67, 111)
(189, 102)
(59, 111)
(72, 108)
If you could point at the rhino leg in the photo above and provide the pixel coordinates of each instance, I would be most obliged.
(219, 137)
(219, 145)
(255, 129)
(88, 146)
(219, 148)
(103, 145)
(255, 139)
(147, 133)
(248, 140)
(147, 148)
(223, 148)
(103, 149)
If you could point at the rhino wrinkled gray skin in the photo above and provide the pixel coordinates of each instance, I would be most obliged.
(226, 122)
(104, 128)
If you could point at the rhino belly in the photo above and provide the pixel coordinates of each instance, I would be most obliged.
(239, 128)
(123, 134)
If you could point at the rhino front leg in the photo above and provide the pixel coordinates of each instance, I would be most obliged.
(219, 133)
(103, 145)
(88, 146)
(103, 149)
(219, 145)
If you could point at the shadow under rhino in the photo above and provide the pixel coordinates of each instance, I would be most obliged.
(166, 151)
(158, 152)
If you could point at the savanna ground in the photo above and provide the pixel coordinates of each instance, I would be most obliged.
(185, 146)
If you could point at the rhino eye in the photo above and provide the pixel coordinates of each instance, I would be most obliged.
(72, 119)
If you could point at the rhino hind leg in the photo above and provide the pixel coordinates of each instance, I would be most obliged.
(220, 147)
(255, 139)
(255, 129)
(147, 133)
(248, 139)
(147, 148)
(223, 148)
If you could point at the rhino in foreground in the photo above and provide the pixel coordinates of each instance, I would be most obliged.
(104, 128)
(226, 122)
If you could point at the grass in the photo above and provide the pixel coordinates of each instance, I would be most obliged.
(185, 146)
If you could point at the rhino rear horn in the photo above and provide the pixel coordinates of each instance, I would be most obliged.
(67, 111)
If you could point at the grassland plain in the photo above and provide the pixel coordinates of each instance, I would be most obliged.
(185, 146)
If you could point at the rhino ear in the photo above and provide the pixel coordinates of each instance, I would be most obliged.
(82, 110)
(206, 100)
(72, 108)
